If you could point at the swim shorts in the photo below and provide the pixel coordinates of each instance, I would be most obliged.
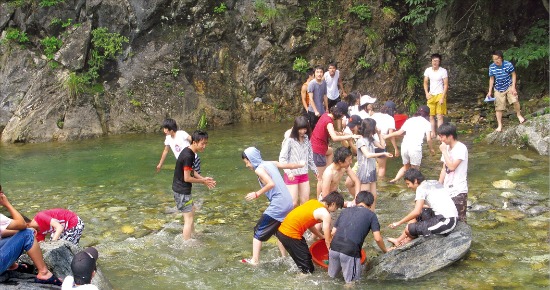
(184, 202)
(265, 228)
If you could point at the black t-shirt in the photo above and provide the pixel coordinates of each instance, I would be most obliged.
(352, 227)
(185, 162)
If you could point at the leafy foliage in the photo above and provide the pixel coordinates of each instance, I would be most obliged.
(203, 122)
(264, 12)
(76, 84)
(51, 45)
(300, 64)
(420, 10)
(314, 25)
(49, 3)
(533, 48)
(220, 9)
(362, 11)
(362, 61)
(16, 35)
(105, 46)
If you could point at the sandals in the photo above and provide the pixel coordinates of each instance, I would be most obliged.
(53, 280)
(24, 268)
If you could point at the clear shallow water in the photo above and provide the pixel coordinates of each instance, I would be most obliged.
(111, 182)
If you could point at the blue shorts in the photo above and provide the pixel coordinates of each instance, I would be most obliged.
(265, 228)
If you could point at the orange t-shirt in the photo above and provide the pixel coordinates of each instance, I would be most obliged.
(300, 219)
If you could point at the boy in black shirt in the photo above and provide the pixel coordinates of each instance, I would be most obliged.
(185, 176)
(348, 235)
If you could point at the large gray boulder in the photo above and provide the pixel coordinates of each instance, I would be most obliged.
(421, 256)
(533, 133)
(58, 256)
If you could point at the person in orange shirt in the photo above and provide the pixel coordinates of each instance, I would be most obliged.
(305, 217)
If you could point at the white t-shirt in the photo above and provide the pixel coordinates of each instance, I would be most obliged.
(4, 223)
(436, 197)
(332, 85)
(178, 143)
(436, 79)
(384, 122)
(416, 128)
(363, 114)
(68, 283)
(353, 110)
(456, 182)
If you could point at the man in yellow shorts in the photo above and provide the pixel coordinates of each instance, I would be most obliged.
(436, 96)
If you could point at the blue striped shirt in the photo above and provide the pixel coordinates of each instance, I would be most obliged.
(502, 74)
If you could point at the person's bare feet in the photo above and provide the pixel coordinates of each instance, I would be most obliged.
(44, 276)
(250, 262)
(396, 242)
(499, 129)
(521, 119)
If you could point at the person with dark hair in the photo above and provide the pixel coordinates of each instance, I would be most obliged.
(454, 173)
(176, 140)
(297, 149)
(335, 171)
(83, 267)
(366, 156)
(303, 91)
(440, 218)
(184, 177)
(324, 130)
(318, 101)
(411, 148)
(334, 82)
(274, 189)
(305, 217)
(348, 235)
(436, 92)
(502, 77)
(61, 223)
(385, 124)
(353, 100)
(15, 238)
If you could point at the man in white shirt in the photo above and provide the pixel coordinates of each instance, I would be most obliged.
(454, 174)
(436, 96)
(411, 148)
(334, 85)
(176, 140)
(439, 219)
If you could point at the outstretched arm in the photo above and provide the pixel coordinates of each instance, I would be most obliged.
(379, 241)
(288, 165)
(413, 214)
(163, 156)
(58, 229)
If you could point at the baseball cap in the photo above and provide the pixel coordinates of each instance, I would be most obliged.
(366, 99)
(342, 107)
(83, 265)
(390, 104)
(424, 109)
(354, 120)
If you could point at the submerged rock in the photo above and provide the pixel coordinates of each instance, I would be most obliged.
(422, 256)
(58, 256)
(504, 184)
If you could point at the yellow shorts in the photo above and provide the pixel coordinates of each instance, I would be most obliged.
(435, 107)
(502, 97)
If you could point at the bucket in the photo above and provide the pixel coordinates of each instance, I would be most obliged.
(399, 120)
(319, 254)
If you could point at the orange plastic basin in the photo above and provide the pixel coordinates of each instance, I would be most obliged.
(319, 253)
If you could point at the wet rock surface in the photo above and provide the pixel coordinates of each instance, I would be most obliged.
(428, 253)
(58, 256)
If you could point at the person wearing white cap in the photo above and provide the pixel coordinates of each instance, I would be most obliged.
(365, 106)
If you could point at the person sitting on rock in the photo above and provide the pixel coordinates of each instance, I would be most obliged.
(440, 218)
(16, 238)
(349, 232)
(83, 267)
(62, 224)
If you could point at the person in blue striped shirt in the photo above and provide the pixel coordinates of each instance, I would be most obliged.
(502, 77)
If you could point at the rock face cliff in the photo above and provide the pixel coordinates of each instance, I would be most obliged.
(187, 58)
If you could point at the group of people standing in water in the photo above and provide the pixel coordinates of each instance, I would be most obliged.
(357, 128)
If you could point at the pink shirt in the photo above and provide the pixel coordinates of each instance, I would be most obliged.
(319, 136)
(65, 217)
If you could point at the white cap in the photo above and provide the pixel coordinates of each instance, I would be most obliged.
(366, 99)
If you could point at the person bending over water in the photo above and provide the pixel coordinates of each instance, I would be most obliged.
(274, 188)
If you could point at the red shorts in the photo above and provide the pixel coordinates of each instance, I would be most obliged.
(297, 179)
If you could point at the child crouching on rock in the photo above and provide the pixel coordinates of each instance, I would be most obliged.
(440, 218)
